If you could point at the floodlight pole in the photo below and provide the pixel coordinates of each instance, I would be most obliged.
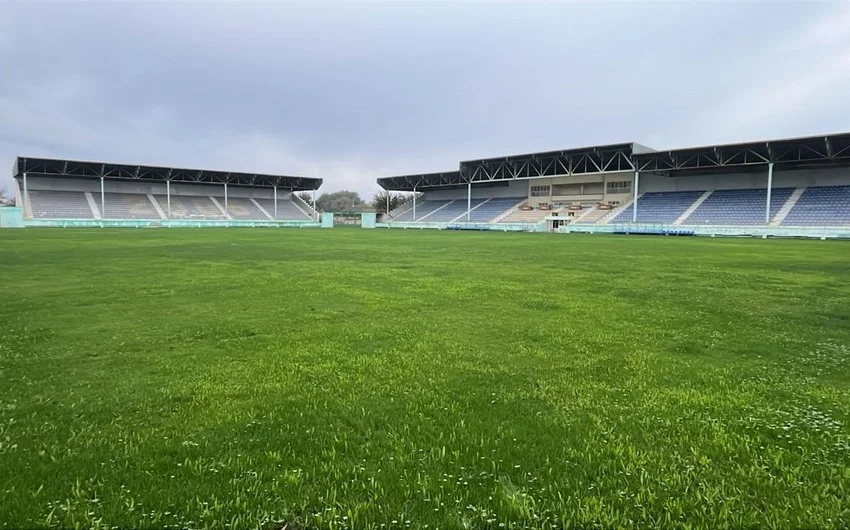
(102, 200)
(414, 204)
(468, 201)
(225, 201)
(26, 195)
(275, 202)
(634, 209)
(168, 196)
(769, 189)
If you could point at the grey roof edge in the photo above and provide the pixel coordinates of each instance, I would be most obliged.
(750, 144)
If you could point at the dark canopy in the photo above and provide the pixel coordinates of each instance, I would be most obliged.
(48, 167)
(831, 150)
(793, 153)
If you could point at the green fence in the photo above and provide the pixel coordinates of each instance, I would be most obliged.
(367, 220)
(11, 217)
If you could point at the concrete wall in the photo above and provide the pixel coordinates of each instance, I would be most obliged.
(580, 188)
(11, 217)
(156, 188)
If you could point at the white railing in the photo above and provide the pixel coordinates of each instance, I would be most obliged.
(307, 210)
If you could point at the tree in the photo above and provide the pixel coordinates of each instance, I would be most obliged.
(379, 201)
(340, 201)
(306, 196)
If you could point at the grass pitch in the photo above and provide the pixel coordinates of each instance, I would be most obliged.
(232, 378)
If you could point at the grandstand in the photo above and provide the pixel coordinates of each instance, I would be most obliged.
(72, 193)
(795, 187)
(792, 187)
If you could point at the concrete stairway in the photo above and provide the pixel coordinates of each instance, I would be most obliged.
(786, 208)
(93, 205)
(433, 212)
(462, 217)
(616, 211)
(692, 208)
(508, 212)
(157, 207)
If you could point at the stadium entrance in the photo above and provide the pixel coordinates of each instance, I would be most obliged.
(554, 223)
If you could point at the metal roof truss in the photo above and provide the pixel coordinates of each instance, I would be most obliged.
(814, 151)
(546, 165)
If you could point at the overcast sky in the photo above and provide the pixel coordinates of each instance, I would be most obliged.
(353, 91)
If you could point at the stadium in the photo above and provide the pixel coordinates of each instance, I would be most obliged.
(796, 187)
(792, 188)
(69, 193)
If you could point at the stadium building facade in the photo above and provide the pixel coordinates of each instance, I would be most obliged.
(793, 187)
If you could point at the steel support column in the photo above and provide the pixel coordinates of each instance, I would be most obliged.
(275, 202)
(102, 200)
(635, 202)
(26, 195)
(387, 214)
(226, 213)
(168, 197)
(414, 204)
(769, 191)
(469, 201)
(315, 207)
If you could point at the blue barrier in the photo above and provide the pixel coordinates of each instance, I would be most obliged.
(661, 231)
(478, 228)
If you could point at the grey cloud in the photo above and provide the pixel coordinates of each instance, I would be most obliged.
(353, 91)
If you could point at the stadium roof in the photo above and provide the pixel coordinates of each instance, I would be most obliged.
(48, 167)
(445, 179)
(596, 159)
(794, 153)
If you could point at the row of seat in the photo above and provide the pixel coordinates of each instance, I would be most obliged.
(821, 206)
(738, 207)
(76, 205)
(659, 207)
(443, 211)
(816, 206)
(494, 208)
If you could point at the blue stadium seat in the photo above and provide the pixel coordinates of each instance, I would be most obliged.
(452, 211)
(738, 207)
(659, 207)
(821, 206)
(422, 209)
(494, 208)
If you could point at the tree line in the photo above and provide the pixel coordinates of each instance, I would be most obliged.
(350, 201)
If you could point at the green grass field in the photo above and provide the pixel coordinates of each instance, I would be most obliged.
(232, 378)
